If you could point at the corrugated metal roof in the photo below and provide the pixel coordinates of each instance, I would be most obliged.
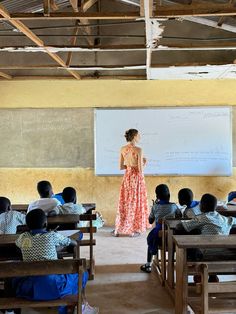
(17, 6)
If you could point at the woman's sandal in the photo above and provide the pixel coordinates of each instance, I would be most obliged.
(146, 268)
(135, 234)
(114, 234)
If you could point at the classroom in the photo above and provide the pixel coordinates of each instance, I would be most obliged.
(48, 128)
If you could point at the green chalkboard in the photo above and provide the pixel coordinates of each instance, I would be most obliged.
(46, 138)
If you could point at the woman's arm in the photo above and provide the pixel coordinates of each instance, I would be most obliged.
(122, 165)
(140, 160)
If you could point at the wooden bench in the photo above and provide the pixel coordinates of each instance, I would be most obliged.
(217, 297)
(183, 243)
(9, 269)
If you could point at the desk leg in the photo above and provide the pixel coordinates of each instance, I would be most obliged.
(170, 270)
(181, 290)
(163, 255)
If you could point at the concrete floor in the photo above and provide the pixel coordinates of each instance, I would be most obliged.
(119, 286)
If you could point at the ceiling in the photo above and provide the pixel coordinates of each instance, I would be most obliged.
(117, 39)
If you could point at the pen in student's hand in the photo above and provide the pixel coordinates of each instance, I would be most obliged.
(56, 228)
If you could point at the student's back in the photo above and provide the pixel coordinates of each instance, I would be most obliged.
(192, 209)
(164, 209)
(9, 219)
(36, 245)
(210, 222)
(46, 202)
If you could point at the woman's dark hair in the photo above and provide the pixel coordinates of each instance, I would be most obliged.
(130, 134)
(185, 196)
(162, 192)
(208, 203)
(36, 219)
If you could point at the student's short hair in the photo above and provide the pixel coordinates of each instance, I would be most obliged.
(36, 219)
(69, 194)
(185, 196)
(44, 188)
(162, 192)
(130, 134)
(208, 203)
(231, 195)
(5, 204)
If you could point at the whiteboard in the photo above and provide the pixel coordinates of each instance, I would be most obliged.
(194, 141)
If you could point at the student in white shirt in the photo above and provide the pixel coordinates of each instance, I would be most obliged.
(9, 219)
(71, 207)
(46, 202)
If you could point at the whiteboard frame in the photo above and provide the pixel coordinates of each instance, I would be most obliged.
(163, 108)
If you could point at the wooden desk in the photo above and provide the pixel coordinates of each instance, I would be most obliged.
(171, 224)
(230, 211)
(23, 207)
(182, 244)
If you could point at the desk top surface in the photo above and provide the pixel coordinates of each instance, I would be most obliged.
(203, 241)
(24, 207)
(7, 239)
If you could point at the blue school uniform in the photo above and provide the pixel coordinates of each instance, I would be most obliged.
(41, 245)
(193, 210)
(59, 197)
(160, 210)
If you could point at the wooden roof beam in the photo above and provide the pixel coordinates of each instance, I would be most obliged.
(46, 7)
(6, 76)
(25, 30)
(179, 10)
(73, 16)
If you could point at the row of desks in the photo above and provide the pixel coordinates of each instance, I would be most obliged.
(179, 244)
(89, 207)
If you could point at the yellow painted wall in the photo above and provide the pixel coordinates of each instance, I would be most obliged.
(20, 184)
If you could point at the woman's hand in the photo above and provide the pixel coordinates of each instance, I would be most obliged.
(144, 161)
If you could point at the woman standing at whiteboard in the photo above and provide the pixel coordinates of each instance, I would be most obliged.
(133, 211)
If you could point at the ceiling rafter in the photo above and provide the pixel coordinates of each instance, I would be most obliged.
(6, 76)
(25, 30)
(180, 10)
(73, 16)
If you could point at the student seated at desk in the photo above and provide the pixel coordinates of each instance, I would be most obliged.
(38, 245)
(9, 219)
(161, 208)
(232, 198)
(46, 202)
(185, 197)
(209, 222)
(71, 207)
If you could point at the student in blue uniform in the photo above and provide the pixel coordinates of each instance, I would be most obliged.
(161, 208)
(38, 245)
(192, 209)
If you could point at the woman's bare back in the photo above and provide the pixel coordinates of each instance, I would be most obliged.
(130, 155)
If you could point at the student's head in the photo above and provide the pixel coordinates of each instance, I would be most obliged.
(69, 195)
(44, 189)
(185, 197)
(36, 219)
(5, 204)
(208, 203)
(162, 192)
(131, 134)
(232, 196)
